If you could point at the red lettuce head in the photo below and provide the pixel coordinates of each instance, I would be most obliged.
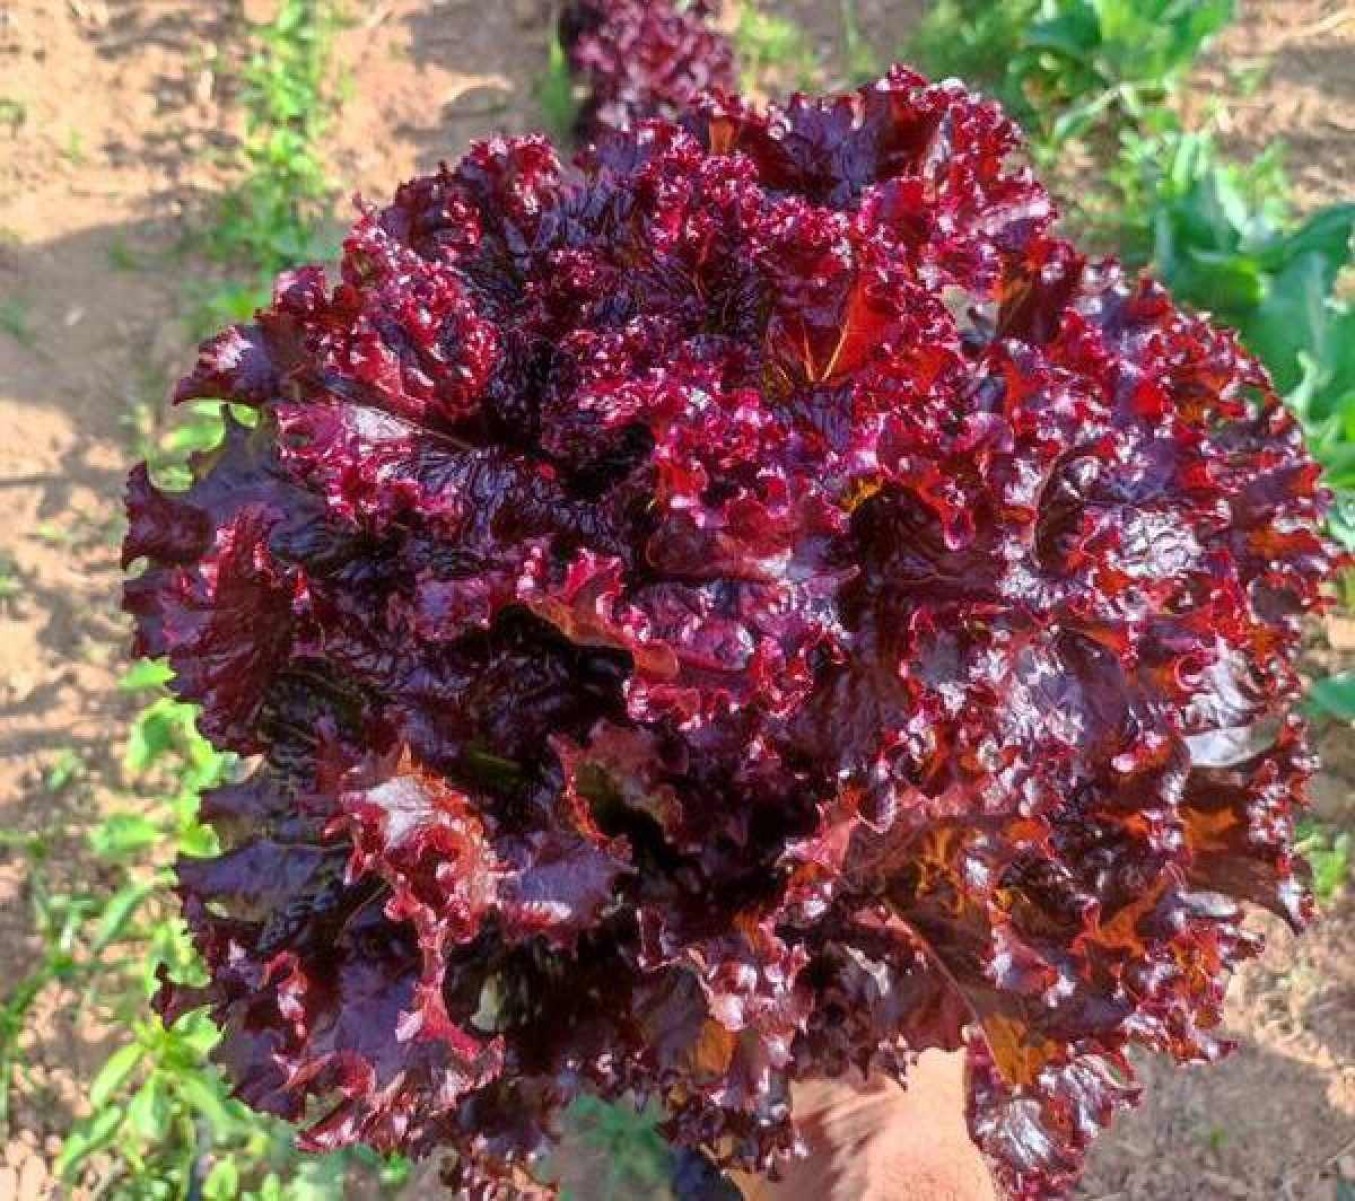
(639, 59)
(753, 605)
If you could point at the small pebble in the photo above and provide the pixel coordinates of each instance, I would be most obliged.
(1227, 1186)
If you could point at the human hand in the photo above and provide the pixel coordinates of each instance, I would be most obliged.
(876, 1141)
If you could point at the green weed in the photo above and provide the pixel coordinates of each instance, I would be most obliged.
(271, 220)
(65, 769)
(13, 113)
(53, 534)
(555, 93)
(14, 321)
(60, 920)
(975, 40)
(11, 584)
(1333, 697)
(862, 63)
(1071, 68)
(773, 51)
(122, 257)
(637, 1157)
(277, 216)
(1328, 853)
(73, 150)
(162, 1123)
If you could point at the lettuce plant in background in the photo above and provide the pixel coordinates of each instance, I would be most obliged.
(754, 604)
(635, 59)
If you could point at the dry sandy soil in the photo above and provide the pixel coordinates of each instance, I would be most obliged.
(117, 119)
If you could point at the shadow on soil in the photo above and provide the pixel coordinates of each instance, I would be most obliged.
(500, 57)
(1214, 1146)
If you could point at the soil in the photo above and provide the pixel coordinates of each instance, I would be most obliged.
(1303, 54)
(116, 126)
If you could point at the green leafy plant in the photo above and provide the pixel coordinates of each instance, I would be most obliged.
(161, 1121)
(1071, 68)
(273, 216)
(1329, 854)
(58, 919)
(976, 40)
(772, 50)
(73, 151)
(14, 321)
(277, 215)
(11, 585)
(1333, 697)
(555, 92)
(13, 113)
(862, 63)
(64, 770)
(638, 1158)
(1164, 166)
(121, 256)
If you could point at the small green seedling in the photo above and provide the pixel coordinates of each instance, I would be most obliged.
(555, 93)
(14, 321)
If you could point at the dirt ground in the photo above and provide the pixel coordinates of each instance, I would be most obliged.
(115, 122)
